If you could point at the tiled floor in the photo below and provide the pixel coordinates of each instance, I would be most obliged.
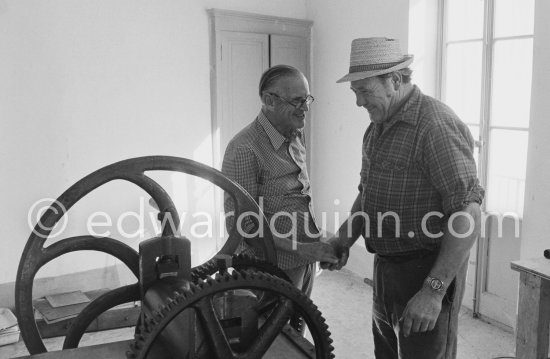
(345, 301)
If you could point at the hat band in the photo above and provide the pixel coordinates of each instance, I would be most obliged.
(372, 67)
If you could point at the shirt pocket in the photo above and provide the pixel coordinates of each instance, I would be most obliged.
(395, 175)
(399, 157)
(391, 165)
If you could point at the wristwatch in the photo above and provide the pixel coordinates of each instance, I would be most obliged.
(436, 284)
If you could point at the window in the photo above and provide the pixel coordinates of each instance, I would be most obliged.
(487, 56)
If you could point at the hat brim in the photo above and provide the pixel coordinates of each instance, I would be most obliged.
(354, 76)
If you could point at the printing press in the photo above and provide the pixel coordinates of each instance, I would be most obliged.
(231, 306)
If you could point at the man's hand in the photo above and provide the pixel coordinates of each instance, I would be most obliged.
(421, 312)
(318, 251)
(341, 249)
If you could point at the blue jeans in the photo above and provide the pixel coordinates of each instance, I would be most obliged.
(398, 279)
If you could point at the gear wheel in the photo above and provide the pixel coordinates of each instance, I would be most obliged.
(238, 262)
(35, 254)
(200, 296)
(246, 262)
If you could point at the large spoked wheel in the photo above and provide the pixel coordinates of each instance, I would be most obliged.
(35, 255)
(200, 299)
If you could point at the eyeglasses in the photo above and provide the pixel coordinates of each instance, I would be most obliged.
(296, 104)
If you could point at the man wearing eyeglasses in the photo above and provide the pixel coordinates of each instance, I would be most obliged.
(268, 158)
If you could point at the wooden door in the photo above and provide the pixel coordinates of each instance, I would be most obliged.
(290, 50)
(498, 283)
(243, 57)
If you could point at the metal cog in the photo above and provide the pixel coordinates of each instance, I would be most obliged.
(36, 254)
(292, 300)
(239, 262)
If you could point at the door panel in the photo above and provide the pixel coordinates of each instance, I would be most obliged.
(499, 284)
(243, 58)
(289, 50)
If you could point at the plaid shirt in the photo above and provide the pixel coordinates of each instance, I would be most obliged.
(417, 162)
(273, 170)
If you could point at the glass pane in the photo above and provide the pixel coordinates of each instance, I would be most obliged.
(463, 80)
(464, 19)
(511, 90)
(506, 175)
(475, 134)
(514, 17)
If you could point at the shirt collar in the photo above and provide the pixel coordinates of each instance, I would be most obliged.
(275, 137)
(410, 106)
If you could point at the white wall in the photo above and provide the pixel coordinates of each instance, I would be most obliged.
(535, 235)
(422, 37)
(338, 124)
(90, 82)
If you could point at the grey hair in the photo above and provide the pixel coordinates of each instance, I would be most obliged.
(406, 75)
(273, 74)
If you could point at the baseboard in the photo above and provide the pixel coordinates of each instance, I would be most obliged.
(485, 319)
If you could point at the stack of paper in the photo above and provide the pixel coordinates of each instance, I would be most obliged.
(9, 330)
(59, 307)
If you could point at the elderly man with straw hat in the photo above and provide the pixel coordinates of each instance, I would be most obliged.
(418, 206)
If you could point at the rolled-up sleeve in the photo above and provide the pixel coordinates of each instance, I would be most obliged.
(450, 165)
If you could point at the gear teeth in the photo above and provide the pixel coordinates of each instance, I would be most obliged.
(178, 299)
(164, 311)
(240, 277)
(157, 317)
(238, 262)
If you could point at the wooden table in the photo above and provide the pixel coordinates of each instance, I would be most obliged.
(533, 308)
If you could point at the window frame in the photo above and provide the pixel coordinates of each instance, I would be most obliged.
(482, 143)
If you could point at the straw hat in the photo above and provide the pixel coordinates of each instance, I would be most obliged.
(375, 56)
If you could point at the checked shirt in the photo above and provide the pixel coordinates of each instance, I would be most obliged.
(273, 170)
(419, 161)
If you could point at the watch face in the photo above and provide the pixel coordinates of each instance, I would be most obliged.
(436, 284)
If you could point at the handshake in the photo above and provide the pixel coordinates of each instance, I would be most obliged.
(332, 253)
